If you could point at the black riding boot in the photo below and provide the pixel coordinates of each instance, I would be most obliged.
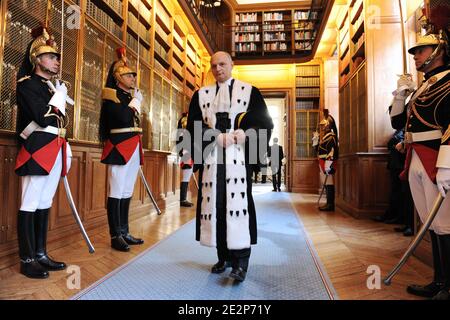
(124, 209)
(330, 199)
(27, 246)
(117, 241)
(41, 228)
(183, 195)
(437, 284)
(444, 245)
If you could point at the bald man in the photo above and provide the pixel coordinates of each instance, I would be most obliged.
(226, 217)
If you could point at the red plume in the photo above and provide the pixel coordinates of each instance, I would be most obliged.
(439, 16)
(121, 52)
(37, 31)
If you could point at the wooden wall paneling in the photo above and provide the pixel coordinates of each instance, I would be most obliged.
(3, 194)
(384, 62)
(362, 110)
(306, 176)
(96, 189)
(61, 213)
(13, 193)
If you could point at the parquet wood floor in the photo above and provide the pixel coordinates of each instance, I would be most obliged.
(345, 246)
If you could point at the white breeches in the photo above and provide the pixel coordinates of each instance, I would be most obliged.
(187, 173)
(38, 191)
(424, 193)
(330, 180)
(123, 177)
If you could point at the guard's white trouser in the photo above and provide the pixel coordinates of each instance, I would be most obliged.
(187, 173)
(330, 180)
(424, 193)
(38, 191)
(123, 177)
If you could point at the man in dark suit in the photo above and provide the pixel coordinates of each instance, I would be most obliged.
(276, 156)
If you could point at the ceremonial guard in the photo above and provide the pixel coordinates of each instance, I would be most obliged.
(426, 119)
(122, 147)
(226, 217)
(186, 162)
(44, 155)
(328, 153)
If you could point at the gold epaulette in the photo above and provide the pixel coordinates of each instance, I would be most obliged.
(330, 135)
(23, 79)
(110, 94)
(184, 122)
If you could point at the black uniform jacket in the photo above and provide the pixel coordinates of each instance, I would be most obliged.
(37, 154)
(119, 147)
(430, 111)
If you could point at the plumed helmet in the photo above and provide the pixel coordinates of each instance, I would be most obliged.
(436, 22)
(118, 68)
(42, 43)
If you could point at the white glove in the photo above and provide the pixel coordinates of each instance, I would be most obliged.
(69, 158)
(59, 98)
(239, 136)
(137, 100)
(443, 180)
(405, 85)
(328, 164)
(315, 139)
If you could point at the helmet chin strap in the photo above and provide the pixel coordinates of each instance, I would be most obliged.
(431, 57)
(45, 69)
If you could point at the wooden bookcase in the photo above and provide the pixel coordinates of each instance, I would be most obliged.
(307, 105)
(369, 52)
(274, 33)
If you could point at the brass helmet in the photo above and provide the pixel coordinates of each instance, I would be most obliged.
(43, 43)
(120, 66)
(436, 22)
(426, 40)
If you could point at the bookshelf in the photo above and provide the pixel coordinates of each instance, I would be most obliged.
(274, 33)
(307, 105)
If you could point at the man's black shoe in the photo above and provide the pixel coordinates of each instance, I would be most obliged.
(442, 295)
(220, 266)
(401, 229)
(393, 221)
(129, 239)
(327, 207)
(186, 203)
(408, 232)
(238, 274)
(279, 189)
(427, 291)
(274, 190)
(119, 244)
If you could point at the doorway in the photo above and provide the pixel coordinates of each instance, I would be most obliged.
(276, 104)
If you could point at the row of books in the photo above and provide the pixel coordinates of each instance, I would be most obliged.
(307, 92)
(307, 82)
(307, 71)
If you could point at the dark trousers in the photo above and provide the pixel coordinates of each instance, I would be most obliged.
(396, 197)
(276, 178)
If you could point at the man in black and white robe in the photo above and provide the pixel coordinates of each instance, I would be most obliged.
(226, 122)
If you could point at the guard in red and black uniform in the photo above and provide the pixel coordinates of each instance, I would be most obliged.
(122, 147)
(426, 119)
(328, 152)
(44, 155)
